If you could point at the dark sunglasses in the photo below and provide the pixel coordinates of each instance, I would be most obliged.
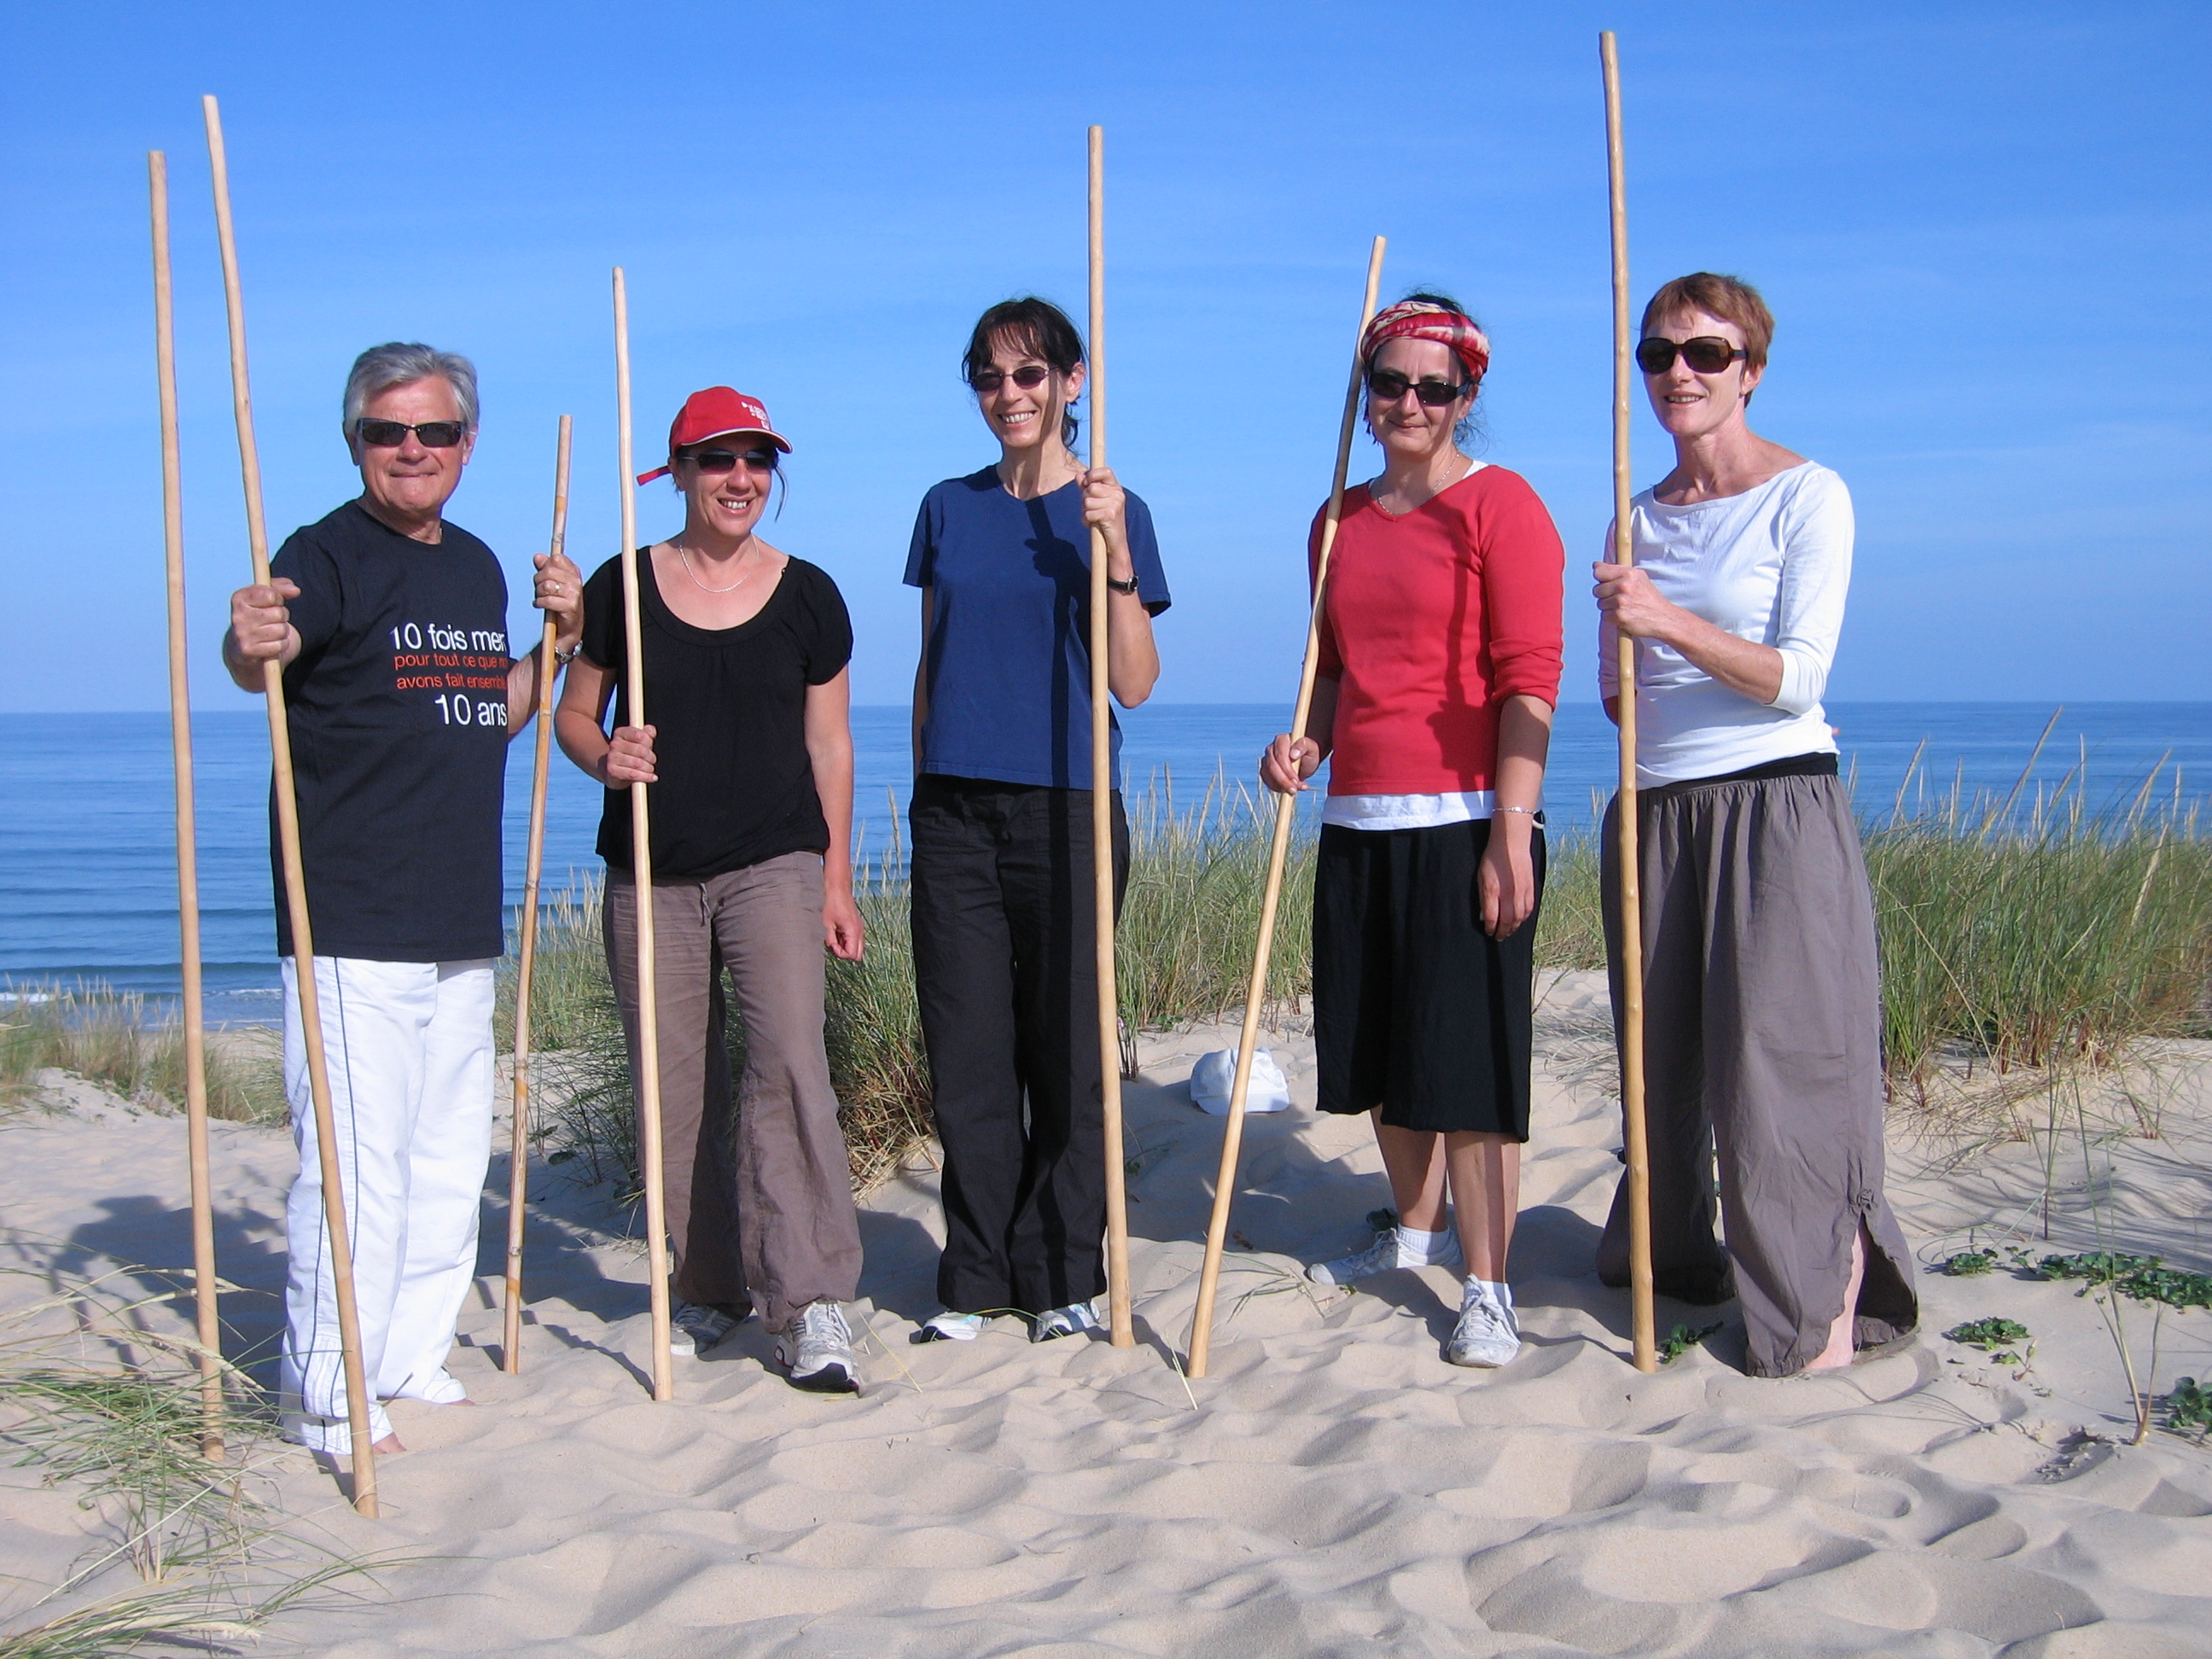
(726, 461)
(1390, 385)
(1028, 377)
(1708, 354)
(389, 435)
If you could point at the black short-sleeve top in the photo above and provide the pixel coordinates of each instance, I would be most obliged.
(397, 714)
(729, 709)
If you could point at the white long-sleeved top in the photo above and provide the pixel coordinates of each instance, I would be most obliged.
(1773, 565)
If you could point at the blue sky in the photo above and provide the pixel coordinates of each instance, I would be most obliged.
(1983, 230)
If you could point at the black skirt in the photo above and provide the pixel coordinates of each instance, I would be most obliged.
(1416, 1009)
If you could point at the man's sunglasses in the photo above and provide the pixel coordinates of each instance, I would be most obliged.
(1028, 377)
(719, 461)
(1390, 385)
(389, 435)
(1708, 354)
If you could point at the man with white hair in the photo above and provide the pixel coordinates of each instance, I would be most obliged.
(402, 695)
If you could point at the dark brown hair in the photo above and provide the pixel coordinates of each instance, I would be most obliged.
(1036, 326)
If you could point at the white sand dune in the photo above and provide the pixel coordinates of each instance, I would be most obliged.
(1334, 1487)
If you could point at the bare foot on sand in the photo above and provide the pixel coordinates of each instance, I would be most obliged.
(1842, 1335)
(387, 1446)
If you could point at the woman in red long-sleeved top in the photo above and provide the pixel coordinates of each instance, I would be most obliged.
(1439, 670)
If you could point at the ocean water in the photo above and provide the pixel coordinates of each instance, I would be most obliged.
(87, 856)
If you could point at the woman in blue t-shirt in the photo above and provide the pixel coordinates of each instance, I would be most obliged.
(1002, 908)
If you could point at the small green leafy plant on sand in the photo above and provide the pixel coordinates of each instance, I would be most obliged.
(2188, 1408)
(1971, 1264)
(2143, 1278)
(1996, 1338)
(1682, 1340)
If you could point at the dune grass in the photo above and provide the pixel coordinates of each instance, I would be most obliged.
(2014, 946)
(106, 1036)
(97, 1402)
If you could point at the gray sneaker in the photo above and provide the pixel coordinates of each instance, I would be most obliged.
(695, 1327)
(1384, 1253)
(1064, 1322)
(816, 1350)
(1487, 1334)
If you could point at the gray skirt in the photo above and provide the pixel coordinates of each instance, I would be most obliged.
(1762, 1045)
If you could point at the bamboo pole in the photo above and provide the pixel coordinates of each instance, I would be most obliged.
(1286, 806)
(641, 839)
(1121, 1324)
(1642, 1319)
(517, 1178)
(287, 836)
(205, 1282)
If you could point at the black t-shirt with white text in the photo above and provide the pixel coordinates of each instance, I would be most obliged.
(398, 703)
(729, 709)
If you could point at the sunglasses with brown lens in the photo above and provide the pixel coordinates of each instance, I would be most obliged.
(1708, 354)
(389, 435)
(1028, 377)
(1390, 385)
(716, 461)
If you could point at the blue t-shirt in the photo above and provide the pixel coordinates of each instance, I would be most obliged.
(1008, 656)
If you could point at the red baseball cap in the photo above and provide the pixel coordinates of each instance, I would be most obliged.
(717, 412)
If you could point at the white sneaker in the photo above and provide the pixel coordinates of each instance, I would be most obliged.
(1064, 1322)
(816, 1350)
(1487, 1334)
(695, 1327)
(950, 1327)
(1388, 1251)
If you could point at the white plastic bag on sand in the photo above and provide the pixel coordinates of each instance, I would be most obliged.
(1215, 1075)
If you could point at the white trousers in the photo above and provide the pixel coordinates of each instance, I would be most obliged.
(409, 1048)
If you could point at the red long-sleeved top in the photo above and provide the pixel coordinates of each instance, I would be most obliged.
(1432, 619)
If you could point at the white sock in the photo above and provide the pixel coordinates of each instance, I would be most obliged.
(1422, 1248)
(1500, 1292)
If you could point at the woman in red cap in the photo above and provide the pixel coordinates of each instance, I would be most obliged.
(745, 652)
(1440, 647)
(1003, 921)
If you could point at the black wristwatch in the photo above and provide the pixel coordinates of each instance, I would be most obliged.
(1128, 586)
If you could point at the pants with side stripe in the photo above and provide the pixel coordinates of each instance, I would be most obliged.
(409, 1049)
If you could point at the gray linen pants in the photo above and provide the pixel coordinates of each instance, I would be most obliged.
(765, 1215)
(1762, 1042)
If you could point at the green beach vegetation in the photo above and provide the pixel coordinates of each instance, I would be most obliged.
(2017, 950)
(106, 1037)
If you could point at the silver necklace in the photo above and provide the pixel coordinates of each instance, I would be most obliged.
(685, 554)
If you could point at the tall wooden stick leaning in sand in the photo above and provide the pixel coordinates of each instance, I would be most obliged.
(1232, 1133)
(1632, 899)
(288, 834)
(517, 1183)
(641, 833)
(188, 870)
(1102, 798)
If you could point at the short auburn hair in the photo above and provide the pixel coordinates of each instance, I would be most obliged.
(1729, 298)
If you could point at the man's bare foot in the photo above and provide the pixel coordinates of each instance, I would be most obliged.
(1844, 1334)
(387, 1446)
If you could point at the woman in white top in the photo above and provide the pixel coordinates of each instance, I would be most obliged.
(1762, 1006)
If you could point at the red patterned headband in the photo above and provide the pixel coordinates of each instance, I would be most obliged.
(1424, 319)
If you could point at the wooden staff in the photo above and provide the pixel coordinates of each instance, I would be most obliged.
(188, 866)
(517, 1179)
(1286, 806)
(1624, 807)
(288, 836)
(641, 858)
(1102, 798)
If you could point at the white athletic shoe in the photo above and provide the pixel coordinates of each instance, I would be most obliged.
(816, 1350)
(1487, 1334)
(950, 1327)
(1064, 1322)
(695, 1327)
(1388, 1251)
